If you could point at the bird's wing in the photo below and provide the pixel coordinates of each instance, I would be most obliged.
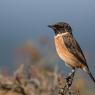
(74, 48)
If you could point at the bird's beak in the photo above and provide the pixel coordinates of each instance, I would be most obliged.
(50, 26)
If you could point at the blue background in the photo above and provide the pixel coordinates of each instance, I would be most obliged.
(22, 20)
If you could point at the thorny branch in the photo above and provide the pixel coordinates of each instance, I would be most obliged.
(65, 90)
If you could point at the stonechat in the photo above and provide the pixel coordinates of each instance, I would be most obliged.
(68, 49)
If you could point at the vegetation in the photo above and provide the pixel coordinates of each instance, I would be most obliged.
(37, 76)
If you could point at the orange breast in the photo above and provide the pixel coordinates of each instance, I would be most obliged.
(60, 47)
(63, 52)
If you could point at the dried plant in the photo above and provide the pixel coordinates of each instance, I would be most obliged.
(66, 88)
(37, 79)
(40, 82)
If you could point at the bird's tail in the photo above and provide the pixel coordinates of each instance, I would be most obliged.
(91, 76)
(86, 69)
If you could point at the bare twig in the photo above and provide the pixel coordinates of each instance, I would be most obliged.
(65, 90)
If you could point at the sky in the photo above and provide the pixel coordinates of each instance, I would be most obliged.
(22, 20)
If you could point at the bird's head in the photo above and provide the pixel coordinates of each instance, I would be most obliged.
(61, 27)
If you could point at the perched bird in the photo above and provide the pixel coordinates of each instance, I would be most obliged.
(68, 49)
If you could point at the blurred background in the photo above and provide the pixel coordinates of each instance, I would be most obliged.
(24, 31)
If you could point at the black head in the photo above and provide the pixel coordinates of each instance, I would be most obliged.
(61, 27)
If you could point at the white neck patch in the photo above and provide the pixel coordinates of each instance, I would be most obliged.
(61, 34)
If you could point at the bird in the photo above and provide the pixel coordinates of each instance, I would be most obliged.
(68, 48)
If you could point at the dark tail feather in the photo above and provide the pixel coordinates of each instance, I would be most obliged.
(91, 76)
